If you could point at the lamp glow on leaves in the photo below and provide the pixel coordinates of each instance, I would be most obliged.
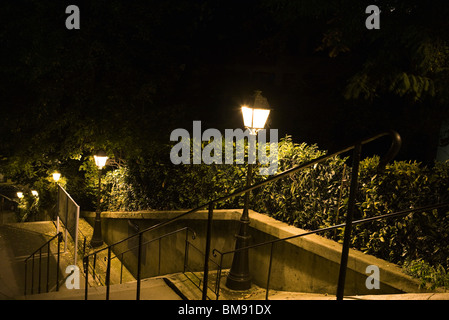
(254, 118)
(100, 159)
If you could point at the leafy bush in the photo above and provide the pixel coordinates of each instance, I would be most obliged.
(429, 275)
(403, 185)
(309, 198)
(312, 198)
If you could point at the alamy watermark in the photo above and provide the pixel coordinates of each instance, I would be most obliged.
(189, 148)
(373, 20)
(73, 279)
(73, 20)
(373, 280)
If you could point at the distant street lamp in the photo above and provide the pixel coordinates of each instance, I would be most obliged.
(239, 277)
(35, 193)
(20, 195)
(56, 176)
(97, 239)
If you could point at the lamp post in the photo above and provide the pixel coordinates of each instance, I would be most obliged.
(239, 277)
(56, 176)
(97, 239)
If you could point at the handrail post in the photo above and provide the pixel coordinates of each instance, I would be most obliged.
(269, 271)
(159, 257)
(48, 264)
(32, 275)
(58, 261)
(108, 274)
(348, 224)
(121, 268)
(206, 255)
(139, 262)
(86, 271)
(219, 277)
(39, 280)
(26, 274)
(186, 251)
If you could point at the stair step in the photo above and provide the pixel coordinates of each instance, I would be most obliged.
(151, 289)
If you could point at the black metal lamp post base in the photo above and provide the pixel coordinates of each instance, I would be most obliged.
(97, 239)
(239, 277)
(238, 282)
(96, 243)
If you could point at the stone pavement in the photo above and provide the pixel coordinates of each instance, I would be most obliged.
(18, 240)
(151, 289)
(256, 293)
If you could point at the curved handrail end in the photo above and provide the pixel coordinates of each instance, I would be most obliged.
(395, 146)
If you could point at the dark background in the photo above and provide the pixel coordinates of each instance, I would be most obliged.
(136, 70)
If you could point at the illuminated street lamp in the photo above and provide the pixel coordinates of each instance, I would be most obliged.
(97, 239)
(100, 159)
(239, 277)
(19, 195)
(56, 176)
(254, 118)
(35, 193)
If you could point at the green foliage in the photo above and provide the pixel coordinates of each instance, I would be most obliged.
(429, 275)
(403, 185)
(312, 198)
(309, 198)
(154, 182)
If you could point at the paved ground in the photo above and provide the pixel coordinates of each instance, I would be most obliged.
(17, 241)
(151, 289)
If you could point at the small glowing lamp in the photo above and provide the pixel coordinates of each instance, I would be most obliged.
(20, 195)
(56, 176)
(35, 193)
(100, 159)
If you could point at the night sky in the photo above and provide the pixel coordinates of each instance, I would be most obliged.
(136, 70)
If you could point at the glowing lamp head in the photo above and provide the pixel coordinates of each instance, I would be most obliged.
(20, 195)
(100, 159)
(254, 118)
(56, 176)
(35, 193)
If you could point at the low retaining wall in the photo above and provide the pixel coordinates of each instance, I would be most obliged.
(306, 264)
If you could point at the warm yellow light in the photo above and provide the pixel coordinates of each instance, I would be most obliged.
(56, 176)
(247, 116)
(35, 193)
(20, 195)
(100, 159)
(254, 118)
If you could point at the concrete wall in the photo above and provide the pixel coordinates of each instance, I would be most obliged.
(305, 264)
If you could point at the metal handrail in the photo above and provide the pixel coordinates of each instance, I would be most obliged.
(216, 252)
(47, 244)
(158, 238)
(139, 247)
(393, 150)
